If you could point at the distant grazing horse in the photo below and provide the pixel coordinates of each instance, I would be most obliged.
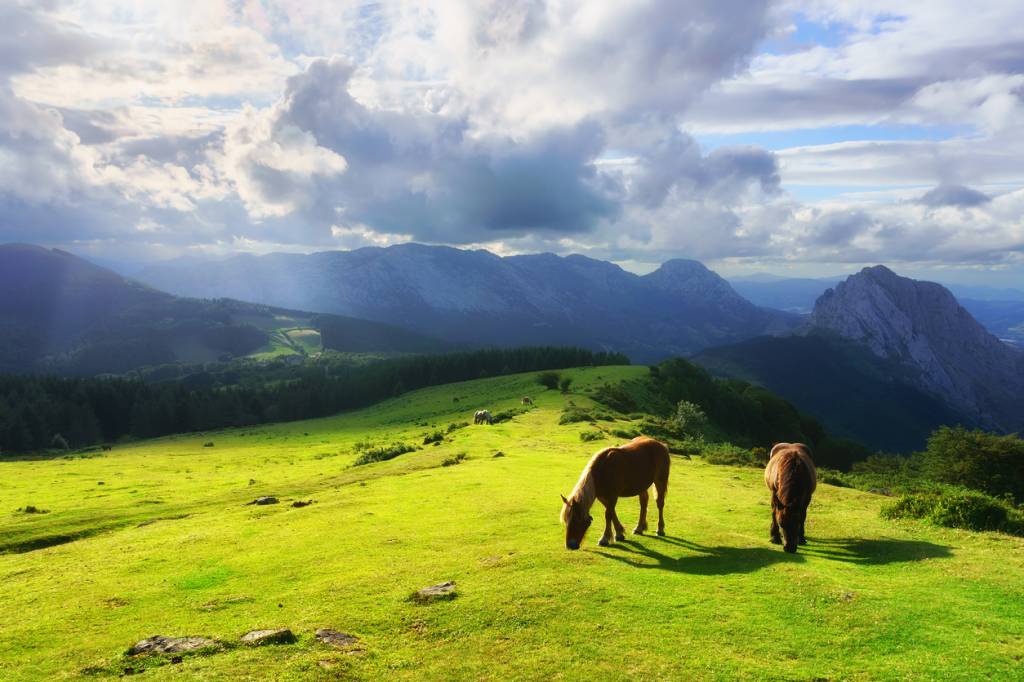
(527, 400)
(483, 416)
(792, 478)
(612, 473)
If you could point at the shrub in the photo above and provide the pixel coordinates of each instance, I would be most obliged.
(987, 462)
(549, 379)
(383, 453)
(505, 415)
(588, 436)
(833, 477)
(455, 459)
(565, 384)
(435, 437)
(615, 397)
(958, 508)
(628, 434)
(573, 415)
(32, 509)
(208, 444)
(690, 418)
(726, 453)
(455, 426)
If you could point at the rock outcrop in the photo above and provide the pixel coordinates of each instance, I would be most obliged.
(921, 326)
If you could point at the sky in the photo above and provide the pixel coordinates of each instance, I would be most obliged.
(805, 137)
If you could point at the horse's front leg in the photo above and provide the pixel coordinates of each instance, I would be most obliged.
(641, 525)
(609, 514)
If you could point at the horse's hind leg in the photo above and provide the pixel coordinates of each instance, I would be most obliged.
(641, 525)
(776, 538)
(803, 520)
(661, 488)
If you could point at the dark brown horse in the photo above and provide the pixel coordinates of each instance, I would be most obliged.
(792, 478)
(612, 473)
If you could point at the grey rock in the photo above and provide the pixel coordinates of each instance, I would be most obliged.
(922, 327)
(160, 644)
(272, 636)
(439, 592)
(340, 640)
(263, 500)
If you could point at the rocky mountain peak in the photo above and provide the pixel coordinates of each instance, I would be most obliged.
(924, 328)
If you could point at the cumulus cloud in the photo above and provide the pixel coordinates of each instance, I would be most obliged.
(520, 126)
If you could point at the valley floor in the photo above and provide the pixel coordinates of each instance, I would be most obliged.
(156, 538)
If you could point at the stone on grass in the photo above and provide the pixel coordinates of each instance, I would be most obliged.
(274, 636)
(340, 640)
(160, 644)
(302, 503)
(442, 591)
(263, 500)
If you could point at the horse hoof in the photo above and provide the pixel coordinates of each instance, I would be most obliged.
(661, 533)
(603, 543)
(803, 541)
(776, 541)
(620, 537)
(638, 531)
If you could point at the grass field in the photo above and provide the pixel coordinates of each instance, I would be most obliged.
(155, 538)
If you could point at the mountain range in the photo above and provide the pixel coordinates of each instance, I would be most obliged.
(478, 298)
(62, 314)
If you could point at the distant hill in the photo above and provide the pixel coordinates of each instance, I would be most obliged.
(796, 294)
(885, 359)
(853, 392)
(62, 314)
(479, 298)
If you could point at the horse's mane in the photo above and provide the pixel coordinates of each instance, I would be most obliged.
(585, 491)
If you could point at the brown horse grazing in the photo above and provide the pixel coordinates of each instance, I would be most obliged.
(792, 478)
(612, 473)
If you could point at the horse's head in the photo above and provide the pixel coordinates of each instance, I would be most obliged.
(788, 517)
(577, 520)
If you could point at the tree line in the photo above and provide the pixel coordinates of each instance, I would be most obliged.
(40, 412)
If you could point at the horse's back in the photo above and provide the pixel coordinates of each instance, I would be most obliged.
(795, 457)
(632, 468)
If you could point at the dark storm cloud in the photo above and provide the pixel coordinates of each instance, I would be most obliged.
(954, 195)
(422, 175)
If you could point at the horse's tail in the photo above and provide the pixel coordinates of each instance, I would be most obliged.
(792, 480)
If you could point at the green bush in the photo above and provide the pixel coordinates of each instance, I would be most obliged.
(549, 379)
(958, 508)
(588, 436)
(384, 453)
(615, 397)
(455, 426)
(728, 454)
(573, 415)
(565, 384)
(455, 459)
(435, 437)
(690, 418)
(983, 461)
(628, 434)
(505, 415)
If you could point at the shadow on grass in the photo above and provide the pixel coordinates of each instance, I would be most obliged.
(704, 560)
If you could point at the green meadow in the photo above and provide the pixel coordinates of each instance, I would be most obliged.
(156, 537)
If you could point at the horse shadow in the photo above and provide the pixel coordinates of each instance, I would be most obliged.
(725, 560)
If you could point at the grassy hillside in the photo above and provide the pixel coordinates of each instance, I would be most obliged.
(155, 538)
